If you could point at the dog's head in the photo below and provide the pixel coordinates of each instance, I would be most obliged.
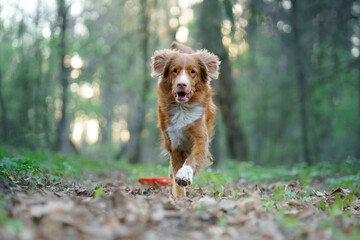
(183, 72)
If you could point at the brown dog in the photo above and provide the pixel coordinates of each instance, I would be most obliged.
(186, 111)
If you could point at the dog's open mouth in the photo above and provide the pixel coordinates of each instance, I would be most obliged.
(182, 96)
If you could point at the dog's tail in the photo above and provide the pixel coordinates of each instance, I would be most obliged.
(181, 48)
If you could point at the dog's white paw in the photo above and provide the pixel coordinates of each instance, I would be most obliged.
(184, 176)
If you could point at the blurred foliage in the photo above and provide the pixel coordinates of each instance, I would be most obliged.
(104, 91)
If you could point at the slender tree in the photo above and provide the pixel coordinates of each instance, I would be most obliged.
(357, 144)
(211, 37)
(299, 58)
(4, 117)
(135, 144)
(24, 79)
(39, 90)
(62, 142)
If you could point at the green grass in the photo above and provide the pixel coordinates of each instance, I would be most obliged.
(46, 166)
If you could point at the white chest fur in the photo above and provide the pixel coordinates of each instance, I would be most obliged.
(182, 117)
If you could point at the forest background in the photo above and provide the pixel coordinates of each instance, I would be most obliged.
(75, 76)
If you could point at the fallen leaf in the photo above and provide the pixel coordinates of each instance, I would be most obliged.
(294, 203)
(319, 194)
(355, 207)
(259, 190)
(340, 191)
(307, 212)
(227, 204)
(293, 184)
(250, 204)
(50, 207)
(207, 201)
(292, 212)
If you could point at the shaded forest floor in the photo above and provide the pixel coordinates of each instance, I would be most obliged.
(47, 196)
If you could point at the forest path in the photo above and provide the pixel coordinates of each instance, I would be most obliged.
(119, 209)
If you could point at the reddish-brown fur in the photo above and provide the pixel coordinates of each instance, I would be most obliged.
(200, 68)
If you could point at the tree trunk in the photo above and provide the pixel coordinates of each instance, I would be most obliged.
(252, 36)
(4, 117)
(62, 142)
(107, 111)
(298, 54)
(357, 146)
(38, 91)
(25, 87)
(211, 37)
(135, 144)
(318, 136)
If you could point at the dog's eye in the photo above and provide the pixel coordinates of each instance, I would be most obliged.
(175, 70)
(193, 71)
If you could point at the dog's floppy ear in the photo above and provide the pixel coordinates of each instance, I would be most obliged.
(211, 62)
(181, 48)
(159, 61)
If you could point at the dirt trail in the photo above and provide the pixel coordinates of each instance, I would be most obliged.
(128, 210)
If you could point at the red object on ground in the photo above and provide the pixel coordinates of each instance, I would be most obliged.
(156, 180)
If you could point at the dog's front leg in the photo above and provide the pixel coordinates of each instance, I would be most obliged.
(177, 159)
(194, 162)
